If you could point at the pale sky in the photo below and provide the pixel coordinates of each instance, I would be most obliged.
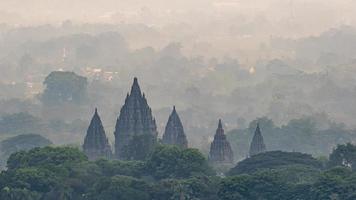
(42, 11)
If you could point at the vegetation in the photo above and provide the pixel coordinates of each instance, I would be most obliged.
(64, 87)
(64, 173)
(174, 162)
(275, 160)
(20, 142)
(344, 155)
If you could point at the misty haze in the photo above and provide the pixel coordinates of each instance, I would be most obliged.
(181, 100)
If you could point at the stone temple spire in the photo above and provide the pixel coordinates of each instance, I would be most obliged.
(174, 132)
(135, 130)
(220, 149)
(96, 144)
(257, 145)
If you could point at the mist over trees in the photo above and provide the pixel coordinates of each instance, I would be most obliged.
(204, 87)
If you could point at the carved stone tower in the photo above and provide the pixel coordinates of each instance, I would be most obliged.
(96, 144)
(174, 132)
(220, 149)
(135, 130)
(257, 144)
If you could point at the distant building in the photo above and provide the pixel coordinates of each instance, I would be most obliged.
(257, 144)
(174, 131)
(96, 144)
(135, 130)
(220, 149)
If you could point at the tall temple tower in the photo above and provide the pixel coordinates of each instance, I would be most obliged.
(257, 144)
(174, 132)
(96, 144)
(135, 130)
(220, 149)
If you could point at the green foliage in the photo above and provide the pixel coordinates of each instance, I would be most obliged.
(47, 156)
(127, 168)
(33, 179)
(246, 187)
(120, 187)
(337, 183)
(64, 173)
(21, 142)
(201, 187)
(296, 174)
(18, 194)
(343, 155)
(64, 87)
(174, 162)
(274, 160)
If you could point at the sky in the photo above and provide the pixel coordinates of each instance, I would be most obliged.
(311, 12)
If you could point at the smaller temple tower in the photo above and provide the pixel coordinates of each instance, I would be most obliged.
(174, 132)
(220, 149)
(96, 144)
(257, 144)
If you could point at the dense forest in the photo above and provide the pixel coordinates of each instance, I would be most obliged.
(169, 172)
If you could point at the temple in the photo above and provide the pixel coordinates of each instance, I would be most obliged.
(220, 149)
(257, 144)
(135, 130)
(96, 144)
(174, 132)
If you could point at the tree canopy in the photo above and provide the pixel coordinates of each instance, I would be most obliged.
(174, 162)
(47, 156)
(64, 87)
(273, 160)
(343, 155)
(20, 142)
(64, 173)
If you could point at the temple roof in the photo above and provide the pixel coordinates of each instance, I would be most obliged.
(174, 131)
(95, 139)
(220, 149)
(257, 144)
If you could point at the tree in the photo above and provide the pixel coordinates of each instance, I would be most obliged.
(274, 160)
(337, 183)
(257, 186)
(343, 155)
(18, 194)
(45, 157)
(117, 167)
(33, 179)
(201, 187)
(120, 187)
(21, 142)
(174, 162)
(62, 87)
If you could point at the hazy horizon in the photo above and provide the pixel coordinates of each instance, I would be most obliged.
(233, 59)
